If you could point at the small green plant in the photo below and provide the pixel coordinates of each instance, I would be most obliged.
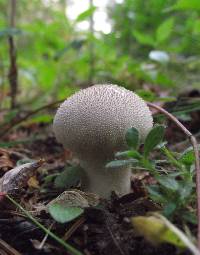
(174, 174)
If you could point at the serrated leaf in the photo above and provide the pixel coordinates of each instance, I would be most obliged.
(63, 214)
(154, 137)
(164, 30)
(86, 14)
(68, 178)
(132, 137)
(121, 163)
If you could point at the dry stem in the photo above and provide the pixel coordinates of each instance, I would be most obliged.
(13, 72)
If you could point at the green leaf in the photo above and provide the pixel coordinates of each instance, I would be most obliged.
(164, 30)
(168, 182)
(187, 157)
(144, 38)
(169, 209)
(154, 137)
(155, 193)
(190, 217)
(132, 137)
(185, 189)
(187, 5)
(147, 95)
(121, 163)
(86, 14)
(68, 178)
(129, 154)
(63, 214)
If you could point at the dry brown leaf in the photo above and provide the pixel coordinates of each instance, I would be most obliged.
(18, 177)
(5, 161)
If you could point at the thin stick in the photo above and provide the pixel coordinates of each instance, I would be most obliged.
(73, 228)
(13, 71)
(15, 122)
(7, 248)
(197, 160)
(40, 247)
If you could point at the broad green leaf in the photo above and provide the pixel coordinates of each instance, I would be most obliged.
(68, 178)
(168, 182)
(68, 205)
(63, 214)
(144, 38)
(187, 5)
(157, 229)
(164, 30)
(121, 163)
(86, 14)
(132, 137)
(154, 137)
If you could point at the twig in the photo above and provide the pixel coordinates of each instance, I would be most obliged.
(15, 122)
(113, 237)
(7, 248)
(40, 247)
(73, 228)
(197, 161)
(13, 72)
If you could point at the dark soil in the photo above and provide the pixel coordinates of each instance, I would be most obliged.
(100, 231)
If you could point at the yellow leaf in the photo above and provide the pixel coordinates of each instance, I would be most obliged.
(33, 182)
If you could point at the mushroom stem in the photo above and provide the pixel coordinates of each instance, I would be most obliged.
(102, 181)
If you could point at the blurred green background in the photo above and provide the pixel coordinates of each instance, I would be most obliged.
(64, 45)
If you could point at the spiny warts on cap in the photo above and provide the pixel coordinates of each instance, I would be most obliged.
(94, 121)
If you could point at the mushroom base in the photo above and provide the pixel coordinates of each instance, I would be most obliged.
(103, 181)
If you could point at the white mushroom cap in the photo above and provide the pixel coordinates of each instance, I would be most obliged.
(93, 122)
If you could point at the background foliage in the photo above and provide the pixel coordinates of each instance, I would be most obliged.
(154, 42)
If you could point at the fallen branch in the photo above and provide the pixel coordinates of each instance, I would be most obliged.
(197, 160)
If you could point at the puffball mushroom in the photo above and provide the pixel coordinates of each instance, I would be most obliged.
(92, 123)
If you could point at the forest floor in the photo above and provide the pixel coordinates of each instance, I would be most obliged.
(105, 230)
